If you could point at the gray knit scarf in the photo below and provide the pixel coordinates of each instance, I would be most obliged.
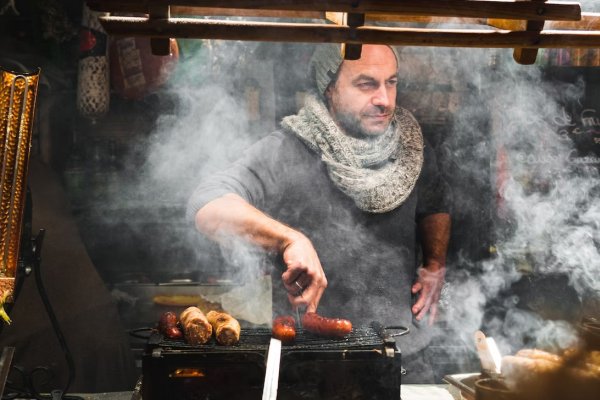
(378, 173)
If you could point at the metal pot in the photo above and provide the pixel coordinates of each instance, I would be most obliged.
(493, 389)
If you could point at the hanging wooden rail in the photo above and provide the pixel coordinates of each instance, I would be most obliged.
(321, 33)
(163, 20)
(558, 11)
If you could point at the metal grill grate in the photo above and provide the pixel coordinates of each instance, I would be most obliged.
(257, 339)
(365, 363)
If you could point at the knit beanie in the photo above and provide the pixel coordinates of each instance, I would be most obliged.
(326, 61)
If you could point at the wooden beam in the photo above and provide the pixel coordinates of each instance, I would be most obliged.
(589, 21)
(242, 12)
(324, 33)
(338, 18)
(524, 55)
(526, 10)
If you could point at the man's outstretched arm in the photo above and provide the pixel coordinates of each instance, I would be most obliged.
(231, 216)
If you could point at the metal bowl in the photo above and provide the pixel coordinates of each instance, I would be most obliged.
(493, 389)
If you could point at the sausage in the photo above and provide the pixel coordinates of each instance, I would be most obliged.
(173, 332)
(196, 328)
(331, 327)
(167, 326)
(166, 320)
(284, 328)
(226, 328)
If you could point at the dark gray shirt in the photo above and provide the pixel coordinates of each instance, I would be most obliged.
(369, 259)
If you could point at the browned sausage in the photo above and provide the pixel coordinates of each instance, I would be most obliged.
(196, 328)
(284, 328)
(167, 326)
(166, 320)
(227, 329)
(332, 327)
(173, 332)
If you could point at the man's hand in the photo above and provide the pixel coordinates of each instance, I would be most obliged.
(304, 278)
(430, 281)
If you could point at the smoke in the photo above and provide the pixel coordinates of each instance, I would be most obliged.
(512, 131)
(546, 213)
(521, 132)
(208, 126)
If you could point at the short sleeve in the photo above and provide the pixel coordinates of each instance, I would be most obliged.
(254, 177)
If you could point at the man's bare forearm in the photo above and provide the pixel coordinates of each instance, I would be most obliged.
(434, 230)
(230, 215)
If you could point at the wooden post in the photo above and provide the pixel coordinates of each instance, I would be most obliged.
(159, 46)
(525, 55)
(352, 51)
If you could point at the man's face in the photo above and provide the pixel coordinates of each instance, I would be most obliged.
(363, 99)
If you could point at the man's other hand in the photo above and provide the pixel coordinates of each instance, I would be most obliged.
(430, 280)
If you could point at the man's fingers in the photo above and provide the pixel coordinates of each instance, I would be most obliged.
(416, 287)
(304, 278)
(424, 309)
(423, 304)
(418, 305)
(312, 306)
(293, 273)
(296, 280)
(309, 297)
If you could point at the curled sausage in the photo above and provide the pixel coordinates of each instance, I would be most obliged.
(167, 326)
(284, 328)
(331, 327)
(196, 328)
(227, 329)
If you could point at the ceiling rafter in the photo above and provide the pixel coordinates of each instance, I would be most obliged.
(525, 26)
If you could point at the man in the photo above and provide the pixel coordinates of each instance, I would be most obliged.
(338, 193)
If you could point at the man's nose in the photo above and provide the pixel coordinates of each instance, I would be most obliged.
(381, 97)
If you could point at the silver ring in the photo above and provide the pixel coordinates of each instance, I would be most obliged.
(300, 289)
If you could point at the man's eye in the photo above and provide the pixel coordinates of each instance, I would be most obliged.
(367, 85)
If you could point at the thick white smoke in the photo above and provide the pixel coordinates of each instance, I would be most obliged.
(548, 213)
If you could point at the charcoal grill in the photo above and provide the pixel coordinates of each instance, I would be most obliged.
(363, 365)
